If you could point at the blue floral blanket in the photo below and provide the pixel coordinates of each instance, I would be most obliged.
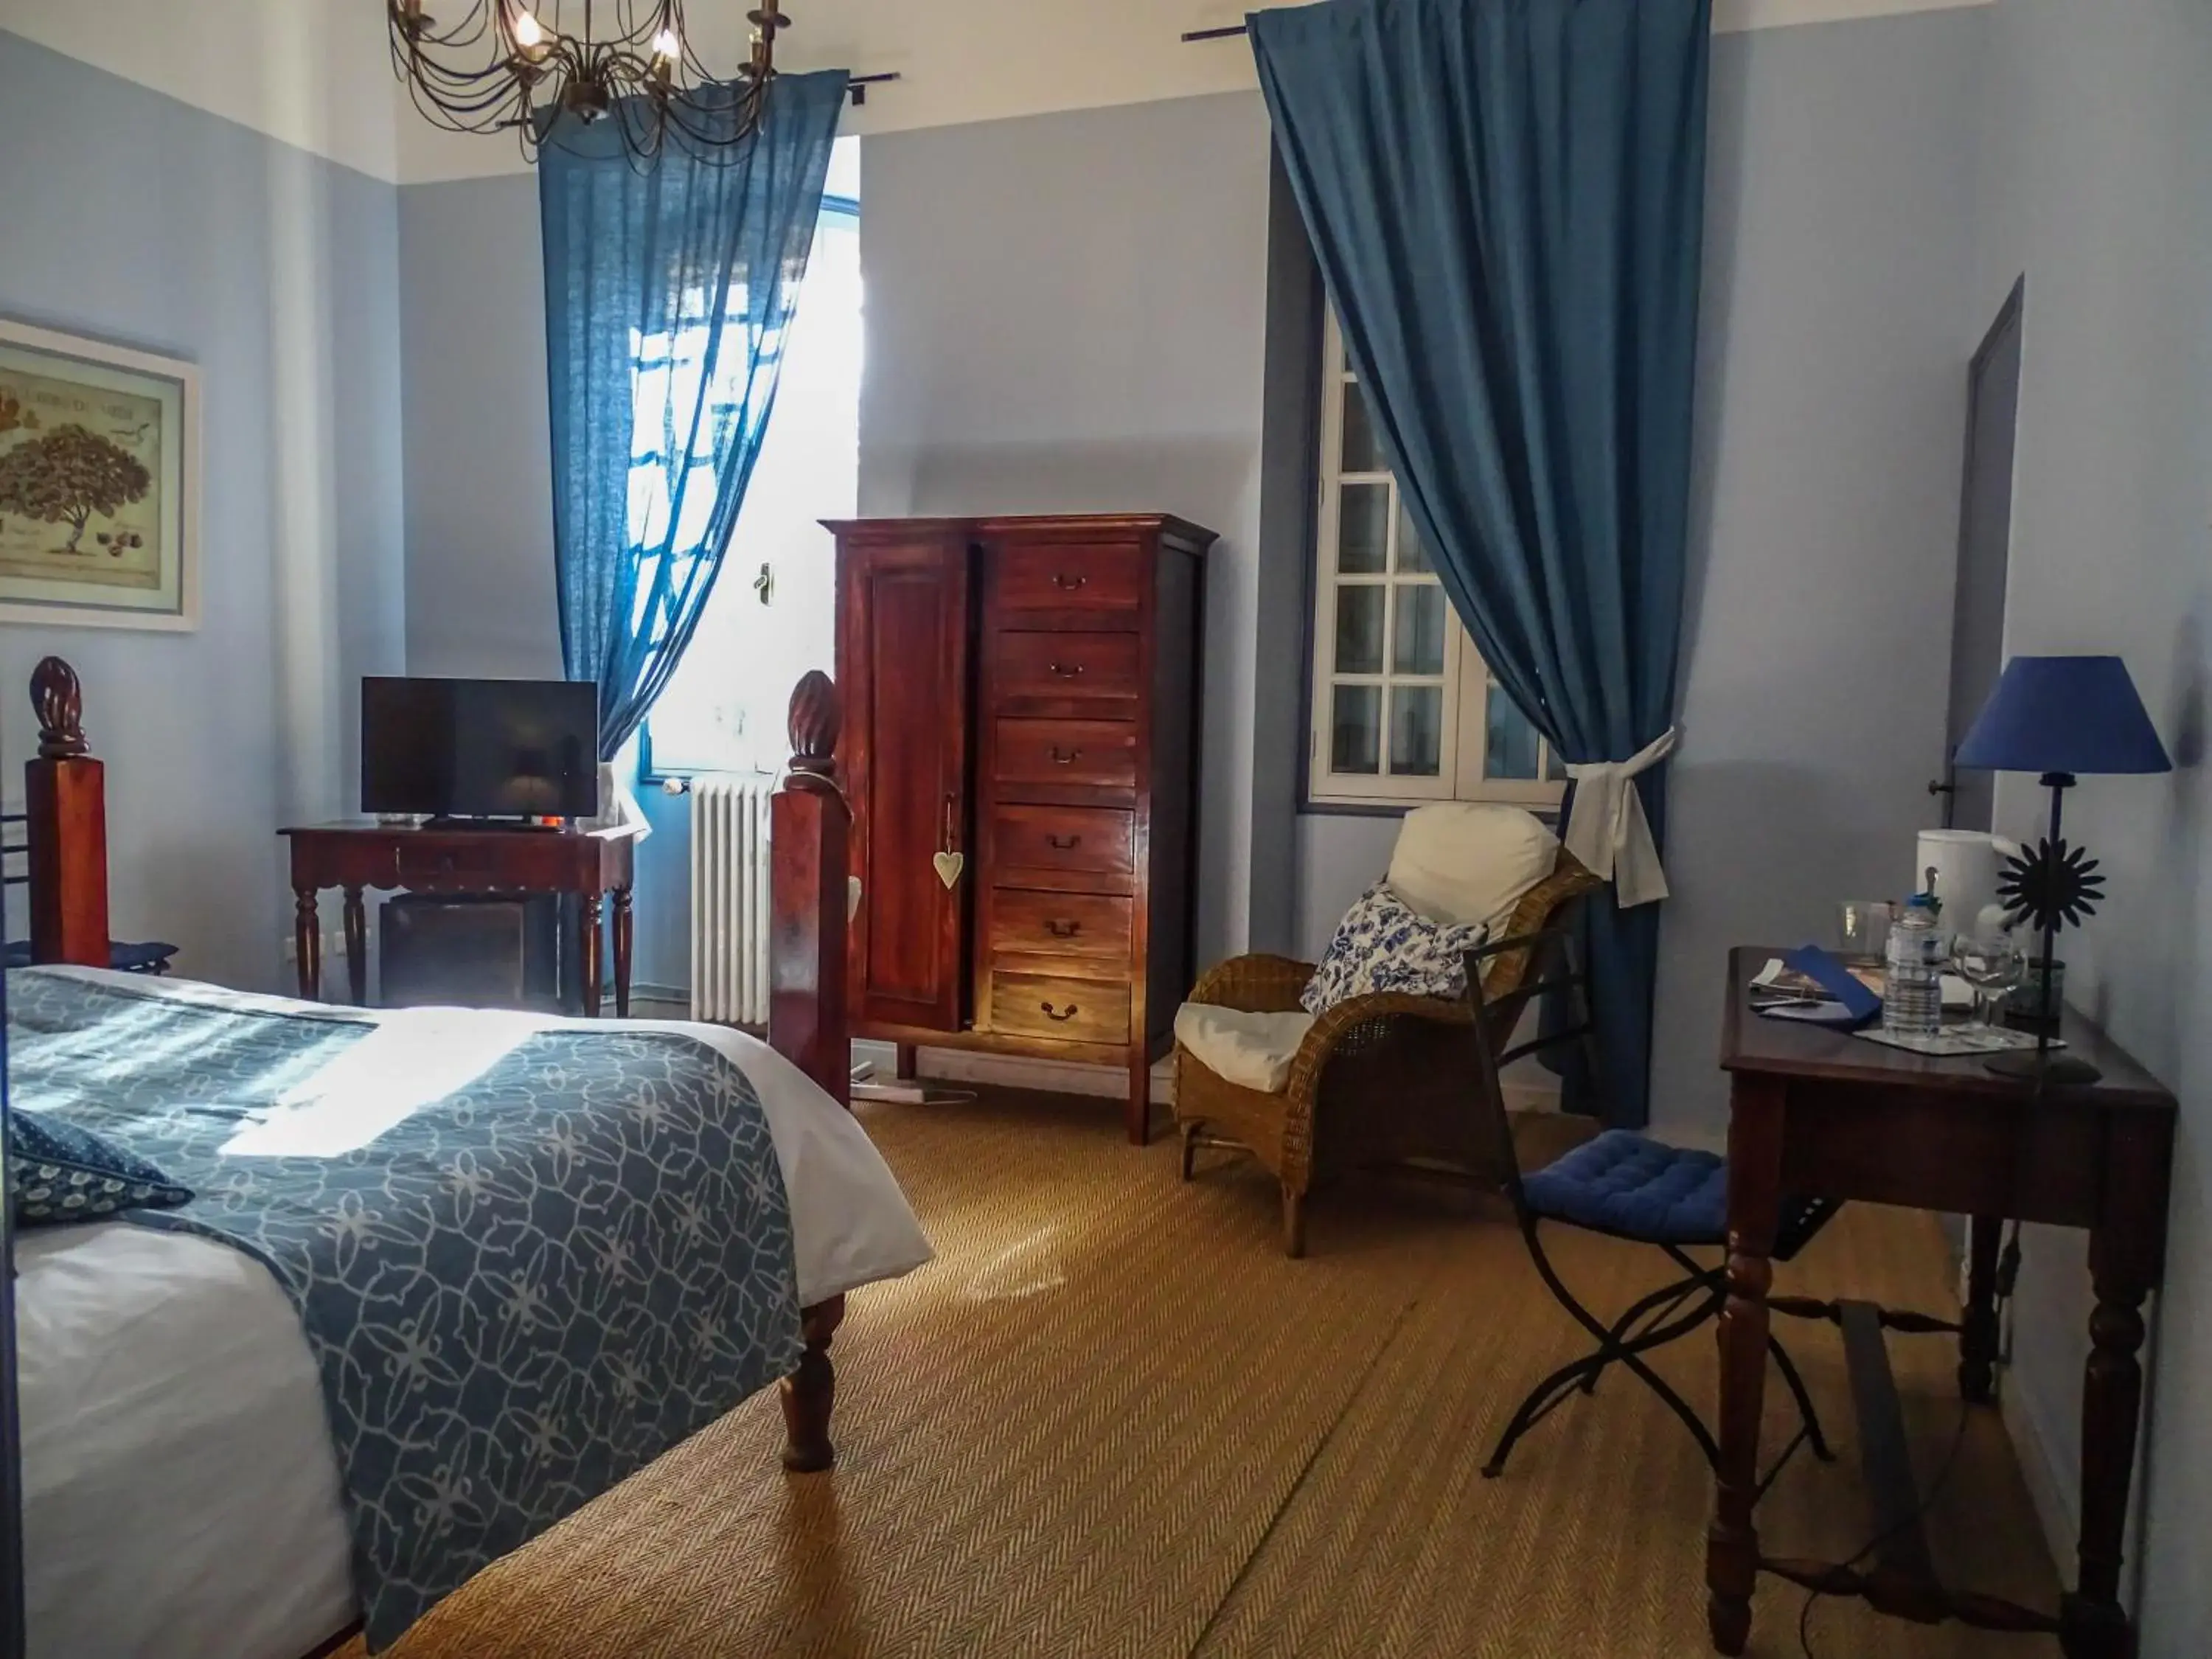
(528, 1261)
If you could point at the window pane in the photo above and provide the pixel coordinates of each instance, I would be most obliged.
(1412, 555)
(1417, 645)
(1362, 453)
(1363, 528)
(1359, 628)
(1554, 767)
(1511, 743)
(1355, 729)
(1417, 730)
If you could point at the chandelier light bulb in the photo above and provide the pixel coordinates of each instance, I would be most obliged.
(529, 33)
(666, 48)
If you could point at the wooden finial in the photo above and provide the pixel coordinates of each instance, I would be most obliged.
(60, 700)
(816, 720)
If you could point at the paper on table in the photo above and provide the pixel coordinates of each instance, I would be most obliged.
(1776, 975)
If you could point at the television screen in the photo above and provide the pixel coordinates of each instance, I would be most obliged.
(508, 749)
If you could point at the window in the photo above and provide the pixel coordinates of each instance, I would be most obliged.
(1404, 709)
(772, 615)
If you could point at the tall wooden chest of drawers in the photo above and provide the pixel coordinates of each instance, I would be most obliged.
(1020, 748)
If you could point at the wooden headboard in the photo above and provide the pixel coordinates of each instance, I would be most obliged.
(66, 838)
(65, 826)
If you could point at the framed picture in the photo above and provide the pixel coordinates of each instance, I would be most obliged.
(98, 496)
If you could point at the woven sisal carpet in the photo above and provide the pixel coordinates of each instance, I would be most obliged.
(1112, 1419)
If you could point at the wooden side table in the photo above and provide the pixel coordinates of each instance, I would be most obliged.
(1823, 1115)
(354, 857)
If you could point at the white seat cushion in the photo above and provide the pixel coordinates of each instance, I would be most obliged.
(1253, 1051)
(1466, 863)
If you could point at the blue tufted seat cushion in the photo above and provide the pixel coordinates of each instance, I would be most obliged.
(1623, 1184)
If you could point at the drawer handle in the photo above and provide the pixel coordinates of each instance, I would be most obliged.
(1066, 583)
(1062, 929)
(1065, 843)
(1051, 1012)
(1065, 672)
(1068, 759)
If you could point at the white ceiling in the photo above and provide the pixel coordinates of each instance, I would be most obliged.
(317, 73)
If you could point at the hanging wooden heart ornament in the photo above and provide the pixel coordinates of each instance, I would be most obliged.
(949, 866)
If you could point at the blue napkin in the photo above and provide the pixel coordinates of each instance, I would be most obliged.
(1852, 1005)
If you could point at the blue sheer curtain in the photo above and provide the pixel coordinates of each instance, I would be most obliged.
(1506, 199)
(669, 291)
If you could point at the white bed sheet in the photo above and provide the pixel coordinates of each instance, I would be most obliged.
(181, 1496)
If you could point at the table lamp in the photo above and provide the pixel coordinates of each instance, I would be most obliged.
(2061, 717)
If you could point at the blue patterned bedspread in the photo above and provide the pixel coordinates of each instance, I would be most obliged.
(528, 1261)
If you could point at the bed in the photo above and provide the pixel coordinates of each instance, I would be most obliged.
(247, 1433)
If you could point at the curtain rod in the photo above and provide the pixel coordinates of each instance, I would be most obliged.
(858, 85)
(1230, 32)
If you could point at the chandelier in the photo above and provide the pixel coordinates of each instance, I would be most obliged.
(520, 65)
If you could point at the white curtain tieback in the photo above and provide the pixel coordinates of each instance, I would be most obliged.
(1606, 829)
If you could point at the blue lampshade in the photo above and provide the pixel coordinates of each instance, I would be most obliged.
(2078, 714)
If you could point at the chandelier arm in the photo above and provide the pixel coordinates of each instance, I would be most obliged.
(633, 60)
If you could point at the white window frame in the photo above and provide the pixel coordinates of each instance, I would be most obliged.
(1466, 679)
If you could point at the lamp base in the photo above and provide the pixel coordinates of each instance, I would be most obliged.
(2064, 1071)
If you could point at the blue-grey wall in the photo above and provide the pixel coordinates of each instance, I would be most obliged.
(1067, 313)
(141, 220)
(1830, 404)
(479, 449)
(1831, 419)
(2093, 182)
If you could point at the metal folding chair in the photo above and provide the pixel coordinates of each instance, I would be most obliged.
(1624, 1185)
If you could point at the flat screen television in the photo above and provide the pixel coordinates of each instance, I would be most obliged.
(480, 749)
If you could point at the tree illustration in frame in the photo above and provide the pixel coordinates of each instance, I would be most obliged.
(100, 461)
(68, 474)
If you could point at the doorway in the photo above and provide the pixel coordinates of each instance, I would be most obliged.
(1985, 559)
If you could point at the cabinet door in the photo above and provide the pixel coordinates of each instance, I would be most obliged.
(903, 661)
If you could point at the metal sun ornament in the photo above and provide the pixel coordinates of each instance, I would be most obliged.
(2053, 885)
(511, 66)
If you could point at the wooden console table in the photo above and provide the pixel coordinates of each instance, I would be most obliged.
(1823, 1115)
(588, 864)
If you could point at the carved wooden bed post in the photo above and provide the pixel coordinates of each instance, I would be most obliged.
(65, 794)
(808, 824)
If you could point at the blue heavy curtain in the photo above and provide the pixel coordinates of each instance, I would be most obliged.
(1507, 200)
(670, 290)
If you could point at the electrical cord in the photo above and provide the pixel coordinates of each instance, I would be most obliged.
(2008, 1274)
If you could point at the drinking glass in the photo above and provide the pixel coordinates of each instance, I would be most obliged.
(1993, 962)
(1862, 928)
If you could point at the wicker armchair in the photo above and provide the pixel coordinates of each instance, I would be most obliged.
(1378, 1080)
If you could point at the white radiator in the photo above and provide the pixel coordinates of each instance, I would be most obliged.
(729, 898)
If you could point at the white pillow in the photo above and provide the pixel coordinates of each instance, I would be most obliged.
(1467, 863)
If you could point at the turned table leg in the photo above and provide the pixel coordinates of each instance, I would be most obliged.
(307, 943)
(1756, 1108)
(588, 950)
(622, 953)
(1977, 1334)
(810, 1392)
(357, 946)
(2093, 1624)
